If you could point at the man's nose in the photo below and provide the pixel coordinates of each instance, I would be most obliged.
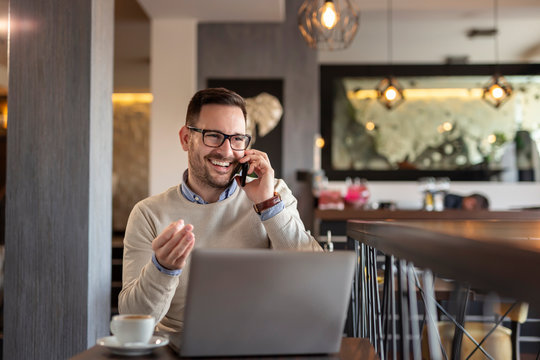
(226, 147)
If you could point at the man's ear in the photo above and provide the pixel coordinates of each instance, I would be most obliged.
(184, 137)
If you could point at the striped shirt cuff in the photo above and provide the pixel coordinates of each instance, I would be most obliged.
(273, 211)
(164, 270)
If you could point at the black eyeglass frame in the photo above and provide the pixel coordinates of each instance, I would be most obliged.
(225, 137)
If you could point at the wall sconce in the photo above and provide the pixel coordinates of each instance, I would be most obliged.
(328, 24)
(498, 90)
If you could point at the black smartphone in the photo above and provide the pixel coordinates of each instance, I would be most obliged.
(245, 167)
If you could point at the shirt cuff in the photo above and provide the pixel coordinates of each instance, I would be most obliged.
(273, 211)
(164, 270)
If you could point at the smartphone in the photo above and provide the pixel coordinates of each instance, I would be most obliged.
(245, 167)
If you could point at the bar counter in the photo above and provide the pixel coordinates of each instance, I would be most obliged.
(350, 213)
(491, 255)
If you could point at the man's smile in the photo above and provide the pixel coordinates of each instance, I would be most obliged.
(221, 166)
(220, 163)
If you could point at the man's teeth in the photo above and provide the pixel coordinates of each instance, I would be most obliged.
(220, 163)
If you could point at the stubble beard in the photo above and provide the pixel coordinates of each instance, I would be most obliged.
(201, 173)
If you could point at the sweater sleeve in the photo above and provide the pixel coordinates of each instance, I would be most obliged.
(286, 230)
(145, 290)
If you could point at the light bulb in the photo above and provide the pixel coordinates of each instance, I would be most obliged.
(329, 16)
(496, 91)
(390, 93)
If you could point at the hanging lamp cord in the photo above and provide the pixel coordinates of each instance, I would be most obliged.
(389, 34)
(496, 26)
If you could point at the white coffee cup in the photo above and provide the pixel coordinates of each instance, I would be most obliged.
(132, 328)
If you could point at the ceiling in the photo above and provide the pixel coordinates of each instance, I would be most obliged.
(217, 10)
(273, 10)
(132, 19)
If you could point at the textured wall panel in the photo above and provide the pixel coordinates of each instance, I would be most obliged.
(58, 229)
(130, 162)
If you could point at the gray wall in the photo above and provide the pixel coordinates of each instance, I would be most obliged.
(58, 205)
(271, 51)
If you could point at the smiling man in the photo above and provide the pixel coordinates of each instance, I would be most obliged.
(208, 208)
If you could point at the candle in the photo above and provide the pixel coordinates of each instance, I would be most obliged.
(318, 143)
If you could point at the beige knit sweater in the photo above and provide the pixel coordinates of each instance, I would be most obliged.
(231, 223)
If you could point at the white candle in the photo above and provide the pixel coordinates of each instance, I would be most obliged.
(317, 141)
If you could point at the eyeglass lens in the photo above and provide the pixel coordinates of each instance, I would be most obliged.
(215, 139)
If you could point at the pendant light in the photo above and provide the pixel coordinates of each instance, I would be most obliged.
(328, 24)
(389, 92)
(498, 90)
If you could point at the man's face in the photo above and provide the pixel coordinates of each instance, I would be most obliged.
(469, 203)
(214, 167)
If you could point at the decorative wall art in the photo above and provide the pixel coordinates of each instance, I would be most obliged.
(444, 128)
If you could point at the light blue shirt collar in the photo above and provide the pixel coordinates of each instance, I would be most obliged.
(194, 197)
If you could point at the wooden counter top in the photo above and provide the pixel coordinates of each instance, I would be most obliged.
(498, 255)
(360, 214)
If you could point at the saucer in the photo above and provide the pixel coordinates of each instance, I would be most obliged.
(132, 349)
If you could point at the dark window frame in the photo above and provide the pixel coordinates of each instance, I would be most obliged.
(330, 73)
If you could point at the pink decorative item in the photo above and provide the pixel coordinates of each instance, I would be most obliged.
(357, 193)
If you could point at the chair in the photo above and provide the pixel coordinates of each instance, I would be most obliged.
(498, 341)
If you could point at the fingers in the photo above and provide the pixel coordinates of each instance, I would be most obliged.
(262, 188)
(180, 261)
(175, 239)
(258, 162)
(167, 234)
(174, 244)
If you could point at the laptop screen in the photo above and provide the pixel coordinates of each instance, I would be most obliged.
(266, 302)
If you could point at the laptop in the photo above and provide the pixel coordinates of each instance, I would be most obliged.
(248, 302)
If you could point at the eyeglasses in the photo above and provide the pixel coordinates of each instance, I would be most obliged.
(214, 138)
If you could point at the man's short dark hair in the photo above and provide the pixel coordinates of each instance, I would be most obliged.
(481, 201)
(220, 96)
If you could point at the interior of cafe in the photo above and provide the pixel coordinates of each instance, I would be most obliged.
(396, 111)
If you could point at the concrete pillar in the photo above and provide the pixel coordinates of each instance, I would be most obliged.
(58, 204)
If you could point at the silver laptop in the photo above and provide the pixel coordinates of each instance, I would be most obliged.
(265, 302)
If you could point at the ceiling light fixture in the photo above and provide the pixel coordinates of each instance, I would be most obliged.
(328, 24)
(498, 90)
(389, 92)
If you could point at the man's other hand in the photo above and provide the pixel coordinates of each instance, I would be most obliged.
(174, 244)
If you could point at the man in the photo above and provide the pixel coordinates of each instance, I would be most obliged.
(208, 209)
(471, 202)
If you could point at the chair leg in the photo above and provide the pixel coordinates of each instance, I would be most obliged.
(413, 306)
(393, 309)
(432, 330)
(462, 299)
(516, 330)
(403, 309)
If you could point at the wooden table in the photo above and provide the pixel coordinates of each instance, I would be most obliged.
(350, 213)
(351, 348)
(500, 255)
(494, 255)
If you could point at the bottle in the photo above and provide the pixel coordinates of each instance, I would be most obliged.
(329, 245)
(428, 201)
(429, 190)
